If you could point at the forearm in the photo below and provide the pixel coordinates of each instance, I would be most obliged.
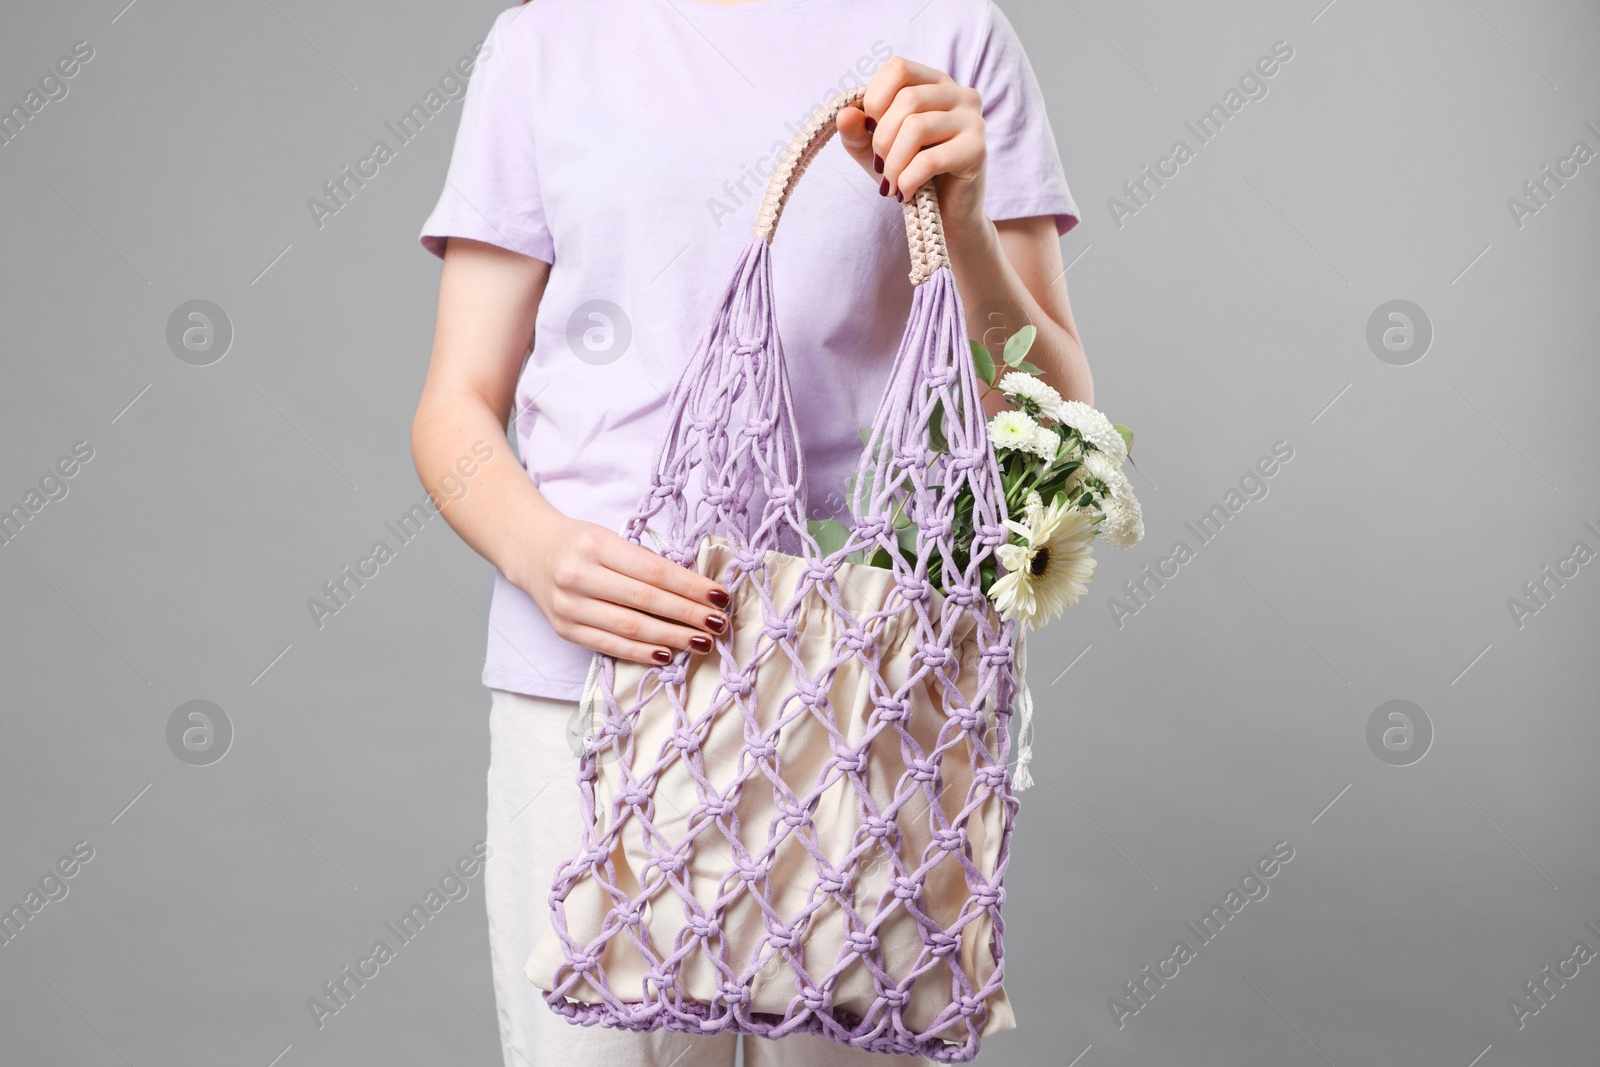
(495, 508)
(988, 280)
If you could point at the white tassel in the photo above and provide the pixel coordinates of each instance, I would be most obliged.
(1020, 778)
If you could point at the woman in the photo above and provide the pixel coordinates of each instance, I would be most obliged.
(608, 167)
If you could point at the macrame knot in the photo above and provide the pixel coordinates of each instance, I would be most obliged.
(781, 495)
(669, 862)
(891, 709)
(675, 672)
(792, 815)
(950, 838)
(714, 805)
(582, 963)
(923, 770)
(780, 936)
(943, 943)
(810, 693)
(634, 796)
(992, 535)
(969, 718)
(964, 459)
(849, 759)
(780, 630)
(963, 594)
(906, 888)
(758, 426)
(684, 741)
(997, 655)
(814, 999)
(818, 572)
(739, 685)
(910, 456)
(914, 588)
(894, 996)
(874, 527)
(766, 748)
(934, 655)
(989, 896)
(751, 872)
(855, 639)
(733, 994)
(628, 915)
(992, 775)
(701, 925)
(878, 826)
(968, 1005)
(832, 881)
(861, 942)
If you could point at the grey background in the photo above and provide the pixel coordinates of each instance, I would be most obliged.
(1230, 713)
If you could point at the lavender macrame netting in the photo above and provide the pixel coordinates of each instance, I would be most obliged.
(901, 784)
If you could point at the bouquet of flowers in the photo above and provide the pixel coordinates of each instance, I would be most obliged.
(1061, 467)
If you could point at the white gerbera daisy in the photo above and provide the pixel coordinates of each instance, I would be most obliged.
(1047, 572)
(1095, 428)
(1014, 430)
(1019, 383)
(1123, 524)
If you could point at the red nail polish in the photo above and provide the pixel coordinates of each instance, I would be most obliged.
(872, 124)
(883, 190)
(700, 643)
(716, 623)
(877, 163)
(900, 197)
(718, 598)
(661, 656)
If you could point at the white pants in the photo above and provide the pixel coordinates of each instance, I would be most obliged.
(534, 826)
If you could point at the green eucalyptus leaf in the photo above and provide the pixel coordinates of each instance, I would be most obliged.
(936, 429)
(1127, 435)
(982, 360)
(1029, 368)
(865, 433)
(831, 534)
(906, 535)
(1017, 345)
(880, 558)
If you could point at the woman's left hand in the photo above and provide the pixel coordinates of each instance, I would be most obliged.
(917, 124)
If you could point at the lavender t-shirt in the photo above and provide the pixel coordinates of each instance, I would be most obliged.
(627, 143)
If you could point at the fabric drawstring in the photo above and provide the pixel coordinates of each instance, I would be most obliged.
(1020, 778)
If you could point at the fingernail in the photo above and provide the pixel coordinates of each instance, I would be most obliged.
(718, 598)
(877, 163)
(872, 124)
(661, 655)
(900, 197)
(700, 643)
(716, 623)
(883, 190)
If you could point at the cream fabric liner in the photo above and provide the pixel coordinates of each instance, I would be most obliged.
(803, 747)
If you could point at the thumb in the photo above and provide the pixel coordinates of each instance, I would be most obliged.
(856, 140)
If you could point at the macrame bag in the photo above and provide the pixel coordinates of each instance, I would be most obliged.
(806, 830)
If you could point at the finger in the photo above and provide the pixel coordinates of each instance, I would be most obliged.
(918, 133)
(938, 97)
(614, 587)
(638, 628)
(958, 156)
(641, 563)
(896, 74)
(610, 644)
(855, 133)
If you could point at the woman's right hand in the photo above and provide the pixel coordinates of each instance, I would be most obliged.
(602, 591)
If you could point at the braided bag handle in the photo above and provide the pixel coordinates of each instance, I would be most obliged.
(730, 467)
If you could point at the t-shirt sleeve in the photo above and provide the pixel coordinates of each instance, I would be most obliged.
(491, 190)
(1025, 176)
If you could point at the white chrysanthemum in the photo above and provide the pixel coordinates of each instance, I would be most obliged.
(1045, 443)
(1014, 430)
(1123, 524)
(1020, 383)
(1104, 469)
(1095, 428)
(1048, 570)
